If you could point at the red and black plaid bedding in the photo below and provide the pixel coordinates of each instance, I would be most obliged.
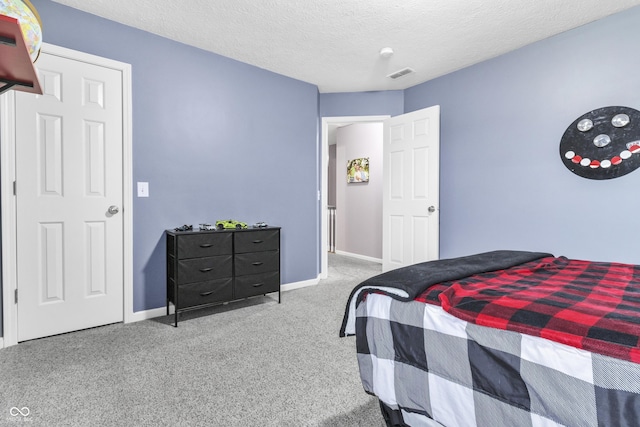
(594, 306)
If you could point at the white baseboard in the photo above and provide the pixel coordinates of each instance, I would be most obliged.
(149, 314)
(298, 285)
(362, 257)
(162, 311)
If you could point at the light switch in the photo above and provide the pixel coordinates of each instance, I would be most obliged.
(143, 189)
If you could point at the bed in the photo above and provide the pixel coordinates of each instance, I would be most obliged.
(503, 338)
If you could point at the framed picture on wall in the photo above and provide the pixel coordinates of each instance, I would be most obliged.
(358, 170)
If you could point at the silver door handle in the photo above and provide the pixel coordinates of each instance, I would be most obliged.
(113, 209)
(432, 209)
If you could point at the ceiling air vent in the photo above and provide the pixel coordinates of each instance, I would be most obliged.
(401, 73)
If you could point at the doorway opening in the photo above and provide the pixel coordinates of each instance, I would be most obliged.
(328, 131)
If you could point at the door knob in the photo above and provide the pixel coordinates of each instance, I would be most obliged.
(113, 209)
(432, 209)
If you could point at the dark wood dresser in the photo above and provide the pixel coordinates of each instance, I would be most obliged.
(209, 267)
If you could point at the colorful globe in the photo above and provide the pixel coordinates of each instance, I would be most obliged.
(29, 21)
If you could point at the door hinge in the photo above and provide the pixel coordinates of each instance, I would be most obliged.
(14, 188)
(15, 294)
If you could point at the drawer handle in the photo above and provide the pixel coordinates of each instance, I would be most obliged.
(204, 270)
(206, 245)
(257, 285)
(258, 241)
(204, 294)
(257, 263)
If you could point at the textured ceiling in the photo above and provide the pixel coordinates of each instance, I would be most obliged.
(335, 44)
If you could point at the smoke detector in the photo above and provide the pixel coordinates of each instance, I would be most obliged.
(386, 52)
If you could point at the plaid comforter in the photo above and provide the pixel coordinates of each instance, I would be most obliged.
(594, 306)
(429, 365)
(508, 347)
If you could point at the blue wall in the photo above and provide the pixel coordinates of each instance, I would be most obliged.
(503, 184)
(362, 104)
(215, 139)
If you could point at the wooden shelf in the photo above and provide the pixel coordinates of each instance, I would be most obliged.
(16, 69)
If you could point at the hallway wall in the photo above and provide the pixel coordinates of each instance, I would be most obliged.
(359, 205)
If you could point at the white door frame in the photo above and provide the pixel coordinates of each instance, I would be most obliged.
(324, 179)
(8, 200)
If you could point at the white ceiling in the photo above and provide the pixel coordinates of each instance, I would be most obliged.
(335, 44)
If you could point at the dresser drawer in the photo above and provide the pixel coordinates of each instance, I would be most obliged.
(257, 262)
(204, 245)
(199, 293)
(201, 269)
(257, 284)
(253, 241)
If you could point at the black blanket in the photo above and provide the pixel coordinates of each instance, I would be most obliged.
(406, 283)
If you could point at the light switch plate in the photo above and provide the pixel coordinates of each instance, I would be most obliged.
(143, 189)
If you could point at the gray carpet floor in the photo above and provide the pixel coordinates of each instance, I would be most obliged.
(248, 363)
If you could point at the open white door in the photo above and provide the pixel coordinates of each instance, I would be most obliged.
(410, 207)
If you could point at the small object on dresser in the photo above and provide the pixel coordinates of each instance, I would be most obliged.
(260, 225)
(230, 224)
(184, 228)
(207, 227)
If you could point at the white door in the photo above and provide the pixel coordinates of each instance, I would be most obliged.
(410, 209)
(69, 145)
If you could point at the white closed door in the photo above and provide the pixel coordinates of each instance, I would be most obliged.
(69, 197)
(411, 171)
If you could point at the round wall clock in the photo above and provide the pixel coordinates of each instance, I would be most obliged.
(603, 143)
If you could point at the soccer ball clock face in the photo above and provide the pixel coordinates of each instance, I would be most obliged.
(603, 143)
